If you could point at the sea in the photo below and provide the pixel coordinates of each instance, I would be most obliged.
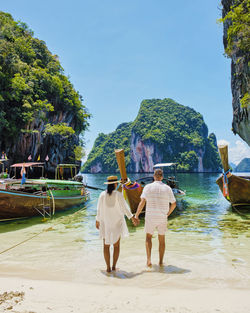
(205, 238)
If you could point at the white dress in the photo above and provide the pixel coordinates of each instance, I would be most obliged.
(110, 213)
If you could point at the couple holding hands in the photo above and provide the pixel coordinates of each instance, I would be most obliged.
(111, 208)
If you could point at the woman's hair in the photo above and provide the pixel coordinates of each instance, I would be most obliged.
(110, 188)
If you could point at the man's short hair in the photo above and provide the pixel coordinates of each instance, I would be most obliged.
(158, 172)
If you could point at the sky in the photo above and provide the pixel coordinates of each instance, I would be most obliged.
(118, 53)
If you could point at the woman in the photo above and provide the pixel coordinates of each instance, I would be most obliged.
(110, 220)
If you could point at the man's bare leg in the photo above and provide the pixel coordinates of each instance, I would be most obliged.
(106, 253)
(148, 248)
(161, 248)
(116, 254)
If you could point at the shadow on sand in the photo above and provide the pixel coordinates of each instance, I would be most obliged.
(169, 269)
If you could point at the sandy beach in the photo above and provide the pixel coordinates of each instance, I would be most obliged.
(53, 296)
(58, 272)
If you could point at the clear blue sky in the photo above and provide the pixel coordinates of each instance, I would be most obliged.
(118, 53)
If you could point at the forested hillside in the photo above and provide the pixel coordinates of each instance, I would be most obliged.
(39, 106)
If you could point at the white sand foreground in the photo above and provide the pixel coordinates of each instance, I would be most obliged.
(28, 296)
(59, 272)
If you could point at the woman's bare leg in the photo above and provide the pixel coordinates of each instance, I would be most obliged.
(116, 254)
(106, 253)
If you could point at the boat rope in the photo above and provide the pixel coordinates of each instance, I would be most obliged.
(92, 187)
(18, 244)
(53, 202)
(225, 184)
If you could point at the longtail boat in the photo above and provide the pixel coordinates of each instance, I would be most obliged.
(39, 196)
(235, 189)
(133, 190)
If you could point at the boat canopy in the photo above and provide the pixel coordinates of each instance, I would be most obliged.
(3, 160)
(28, 164)
(44, 182)
(66, 165)
(60, 170)
(164, 164)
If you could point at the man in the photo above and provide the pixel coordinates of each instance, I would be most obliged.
(157, 196)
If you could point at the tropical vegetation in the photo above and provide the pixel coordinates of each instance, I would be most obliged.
(176, 131)
(33, 86)
(238, 36)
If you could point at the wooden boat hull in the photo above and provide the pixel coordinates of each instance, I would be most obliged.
(133, 197)
(238, 189)
(15, 204)
(134, 190)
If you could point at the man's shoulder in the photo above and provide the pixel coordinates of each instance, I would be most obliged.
(166, 186)
(148, 186)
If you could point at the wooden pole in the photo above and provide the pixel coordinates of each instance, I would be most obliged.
(120, 157)
(223, 149)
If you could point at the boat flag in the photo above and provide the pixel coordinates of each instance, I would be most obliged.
(47, 158)
(30, 157)
(23, 172)
(38, 159)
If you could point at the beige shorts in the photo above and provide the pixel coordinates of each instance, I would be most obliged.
(150, 227)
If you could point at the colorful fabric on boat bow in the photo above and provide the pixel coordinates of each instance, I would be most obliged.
(130, 185)
(225, 184)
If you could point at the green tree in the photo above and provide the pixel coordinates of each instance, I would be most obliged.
(33, 86)
(238, 33)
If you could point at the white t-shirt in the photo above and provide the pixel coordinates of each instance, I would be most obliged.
(158, 196)
(110, 213)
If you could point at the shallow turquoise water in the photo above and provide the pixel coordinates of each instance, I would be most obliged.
(202, 210)
(205, 238)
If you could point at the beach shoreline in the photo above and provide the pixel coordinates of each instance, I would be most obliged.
(187, 283)
(62, 270)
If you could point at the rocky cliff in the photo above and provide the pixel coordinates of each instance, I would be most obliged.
(41, 114)
(236, 41)
(39, 145)
(163, 131)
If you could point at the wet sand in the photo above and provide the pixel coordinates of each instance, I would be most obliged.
(59, 271)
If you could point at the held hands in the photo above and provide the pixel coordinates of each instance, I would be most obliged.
(135, 221)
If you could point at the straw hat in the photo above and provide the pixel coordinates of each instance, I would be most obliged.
(112, 180)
